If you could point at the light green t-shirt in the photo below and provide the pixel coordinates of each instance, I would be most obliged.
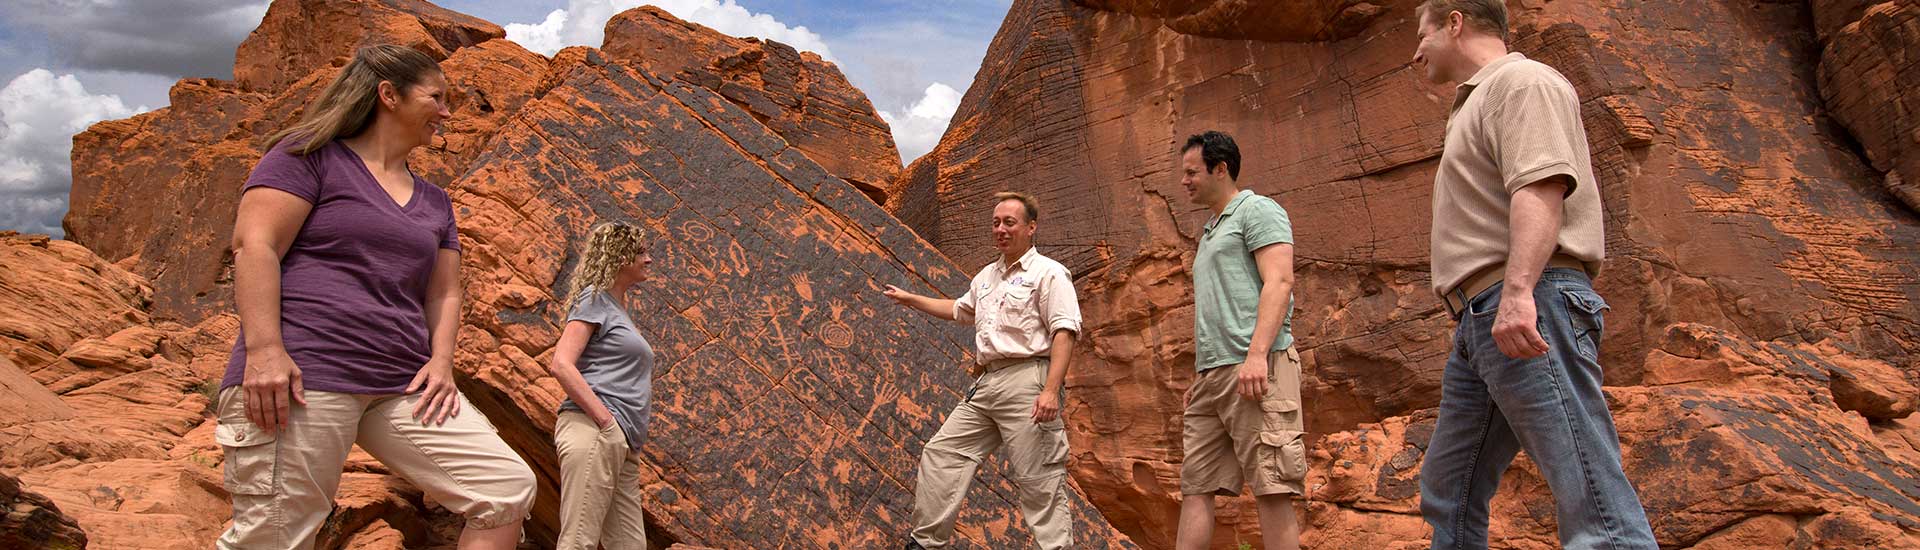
(1226, 283)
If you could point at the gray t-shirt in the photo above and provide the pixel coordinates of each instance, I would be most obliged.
(617, 363)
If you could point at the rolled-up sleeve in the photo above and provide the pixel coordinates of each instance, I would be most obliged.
(963, 306)
(1059, 303)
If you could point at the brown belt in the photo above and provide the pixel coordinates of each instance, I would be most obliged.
(998, 364)
(1463, 294)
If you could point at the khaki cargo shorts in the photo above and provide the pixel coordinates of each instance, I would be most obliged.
(1231, 441)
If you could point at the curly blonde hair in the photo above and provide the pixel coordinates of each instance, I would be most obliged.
(611, 246)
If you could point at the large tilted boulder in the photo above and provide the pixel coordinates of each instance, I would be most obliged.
(792, 398)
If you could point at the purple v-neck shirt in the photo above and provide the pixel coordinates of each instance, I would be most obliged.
(353, 286)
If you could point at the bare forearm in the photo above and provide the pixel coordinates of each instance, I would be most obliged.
(1061, 356)
(1535, 223)
(934, 306)
(256, 294)
(577, 389)
(443, 323)
(1269, 315)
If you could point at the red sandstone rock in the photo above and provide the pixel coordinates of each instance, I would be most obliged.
(1291, 21)
(113, 423)
(756, 166)
(1874, 389)
(137, 502)
(377, 536)
(375, 507)
(1761, 307)
(23, 400)
(81, 336)
(300, 36)
(1868, 77)
(792, 398)
(1723, 224)
(201, 147)
(32, 522)
(804, 99)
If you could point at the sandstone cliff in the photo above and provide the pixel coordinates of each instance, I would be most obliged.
(792, 398)
(1760, 272)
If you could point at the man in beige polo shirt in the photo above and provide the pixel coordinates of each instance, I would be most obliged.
(1516, 237)
(1025, 316)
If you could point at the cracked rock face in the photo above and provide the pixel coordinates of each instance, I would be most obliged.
(1737, 213)
(792, 398)
(1760, 349)
(1868, 78)
(97, 453)
(1290, 21)
(801, 97)
(33, 522)
(200, 148)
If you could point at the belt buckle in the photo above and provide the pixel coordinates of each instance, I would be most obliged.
(1452, 310)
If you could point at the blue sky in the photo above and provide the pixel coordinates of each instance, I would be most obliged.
(65, 64)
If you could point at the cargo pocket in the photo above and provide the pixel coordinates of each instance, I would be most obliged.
(1039, 455)
(1283, 456)
(1280, 414)
(1054, 435)
(1586, 315)
(253, 461)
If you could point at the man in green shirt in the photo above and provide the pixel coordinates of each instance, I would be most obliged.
(1242, 424)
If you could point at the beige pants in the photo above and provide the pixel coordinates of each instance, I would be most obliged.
(283, 483)
(1000, 411)
(599, 486)
(1230, 439)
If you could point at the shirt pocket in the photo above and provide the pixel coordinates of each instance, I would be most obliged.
(1017, 311)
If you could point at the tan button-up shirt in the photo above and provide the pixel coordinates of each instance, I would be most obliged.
(1015, 308)
(1516, 122)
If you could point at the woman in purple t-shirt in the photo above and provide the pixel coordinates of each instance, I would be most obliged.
(347, 281)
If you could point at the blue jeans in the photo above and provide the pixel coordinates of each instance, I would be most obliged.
(1492, 406)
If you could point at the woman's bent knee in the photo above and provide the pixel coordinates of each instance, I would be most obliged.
(507, 499)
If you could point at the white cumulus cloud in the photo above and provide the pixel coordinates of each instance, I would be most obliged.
(583, 23)
(39, 114)
(918, 130)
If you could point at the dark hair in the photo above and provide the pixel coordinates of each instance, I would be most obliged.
(346, 106)
(1488, 16)
(1026, 201)
(1216, 147)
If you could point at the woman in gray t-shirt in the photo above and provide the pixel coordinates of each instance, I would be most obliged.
(606, 368)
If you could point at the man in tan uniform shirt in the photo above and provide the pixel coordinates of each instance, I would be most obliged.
(1025, 316)
(1517, 236)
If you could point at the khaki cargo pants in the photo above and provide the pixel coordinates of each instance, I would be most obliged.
(283, 483)
(599, 486)
(1230, 440)
(1000, 411)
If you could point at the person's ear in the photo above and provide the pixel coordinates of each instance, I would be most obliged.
(389, 94)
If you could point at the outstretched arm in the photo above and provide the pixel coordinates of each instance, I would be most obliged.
(937, 307)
